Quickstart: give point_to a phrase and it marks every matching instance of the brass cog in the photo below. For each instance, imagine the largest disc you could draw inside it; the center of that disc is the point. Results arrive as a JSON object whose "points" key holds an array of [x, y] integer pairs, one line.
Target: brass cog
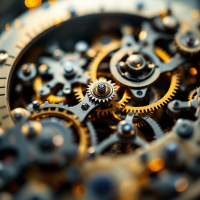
{"points": [[113, 105], [175, 79], [163, 55], [37, 84], [70, 120], [187, 49], [192, 94], [93, 67]]}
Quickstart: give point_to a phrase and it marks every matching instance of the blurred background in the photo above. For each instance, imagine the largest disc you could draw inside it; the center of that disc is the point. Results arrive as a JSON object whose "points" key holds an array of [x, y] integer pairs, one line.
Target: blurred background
{"points": [[10, 9]]}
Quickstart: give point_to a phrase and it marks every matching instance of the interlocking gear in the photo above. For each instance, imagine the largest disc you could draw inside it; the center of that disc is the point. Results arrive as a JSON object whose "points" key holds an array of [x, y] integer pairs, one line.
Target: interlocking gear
{"points": [[86, 133], [102, 90], [112, 106], [193, 94], [187, 42]]}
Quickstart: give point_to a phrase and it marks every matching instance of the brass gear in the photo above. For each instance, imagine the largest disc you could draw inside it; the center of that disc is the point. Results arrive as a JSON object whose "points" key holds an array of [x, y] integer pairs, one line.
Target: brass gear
{"points": [[163, 55], [37, 84], [192, 94], [93, 67], [70, 120], [175, 79], [138, 123], [112, 105], [186, 49]]}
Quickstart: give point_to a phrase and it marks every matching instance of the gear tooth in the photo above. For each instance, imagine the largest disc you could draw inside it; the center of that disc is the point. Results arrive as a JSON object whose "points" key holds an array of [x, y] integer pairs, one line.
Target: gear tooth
{"points": [[46, 103]]}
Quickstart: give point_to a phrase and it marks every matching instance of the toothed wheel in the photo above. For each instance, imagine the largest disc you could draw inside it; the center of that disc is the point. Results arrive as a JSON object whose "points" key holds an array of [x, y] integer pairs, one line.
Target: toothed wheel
{"points": [[86, 134], [102, 90], [193, 94], [187, 42]]}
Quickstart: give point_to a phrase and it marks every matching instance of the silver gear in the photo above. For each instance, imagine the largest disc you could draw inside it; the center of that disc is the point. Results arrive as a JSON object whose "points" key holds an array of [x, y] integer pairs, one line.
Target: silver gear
{"points": [[102, 90]]}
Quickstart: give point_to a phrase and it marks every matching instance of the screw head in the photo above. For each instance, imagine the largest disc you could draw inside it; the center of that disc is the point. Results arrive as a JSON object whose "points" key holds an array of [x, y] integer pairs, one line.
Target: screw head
{"points": [[176, 104], [135, 61], [126, 129], [26, 70], [171, 149], [101, 87], [185, 129], [35, 104], [68, 67], [3, 56], [85, 106], [17, 115]]}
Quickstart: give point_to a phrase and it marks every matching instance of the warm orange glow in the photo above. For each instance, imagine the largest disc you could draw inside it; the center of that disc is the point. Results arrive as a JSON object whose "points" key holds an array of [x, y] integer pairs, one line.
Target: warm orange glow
{"points": [[184, 26], [32, 3], [195, 13], [78, 190], [52, 1], [91, 53], [58, 140], [7, 26], [143, 35], [157, 164], [57, 52], [58, 21], [17, 23], [43, 67], [193, 71], [127, 30], [181, 185]]}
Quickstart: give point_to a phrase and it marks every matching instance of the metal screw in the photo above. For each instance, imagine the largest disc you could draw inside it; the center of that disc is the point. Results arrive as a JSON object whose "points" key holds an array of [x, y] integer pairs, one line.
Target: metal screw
{"points": [[3, 56], [126, 129], [17, 115], [172, 148], [68, 67], [175, 104], [101, 87], [139, 93], [36, 104], [185, 129], [85, 106]]}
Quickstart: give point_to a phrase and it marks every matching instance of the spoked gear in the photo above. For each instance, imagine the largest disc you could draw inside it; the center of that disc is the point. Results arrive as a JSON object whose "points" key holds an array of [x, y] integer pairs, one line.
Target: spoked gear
{"points": [[86, 133], [101, 90], [127, 134], [193, 94], [187, 42], [65, 69]]}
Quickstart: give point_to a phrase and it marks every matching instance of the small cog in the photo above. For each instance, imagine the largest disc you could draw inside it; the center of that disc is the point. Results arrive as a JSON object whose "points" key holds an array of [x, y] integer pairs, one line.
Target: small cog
{"points": [[102, 90], [193, 94], [187, 42]]}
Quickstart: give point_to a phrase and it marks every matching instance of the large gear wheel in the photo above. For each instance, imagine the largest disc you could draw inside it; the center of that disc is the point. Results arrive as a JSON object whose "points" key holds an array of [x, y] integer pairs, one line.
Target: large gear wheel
{"points": [[175, 79], [85, 133], [187, 42]]}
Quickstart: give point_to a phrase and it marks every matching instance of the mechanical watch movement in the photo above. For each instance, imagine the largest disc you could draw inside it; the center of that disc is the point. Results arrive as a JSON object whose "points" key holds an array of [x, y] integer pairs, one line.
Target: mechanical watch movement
{"points": [[100, 100]]}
